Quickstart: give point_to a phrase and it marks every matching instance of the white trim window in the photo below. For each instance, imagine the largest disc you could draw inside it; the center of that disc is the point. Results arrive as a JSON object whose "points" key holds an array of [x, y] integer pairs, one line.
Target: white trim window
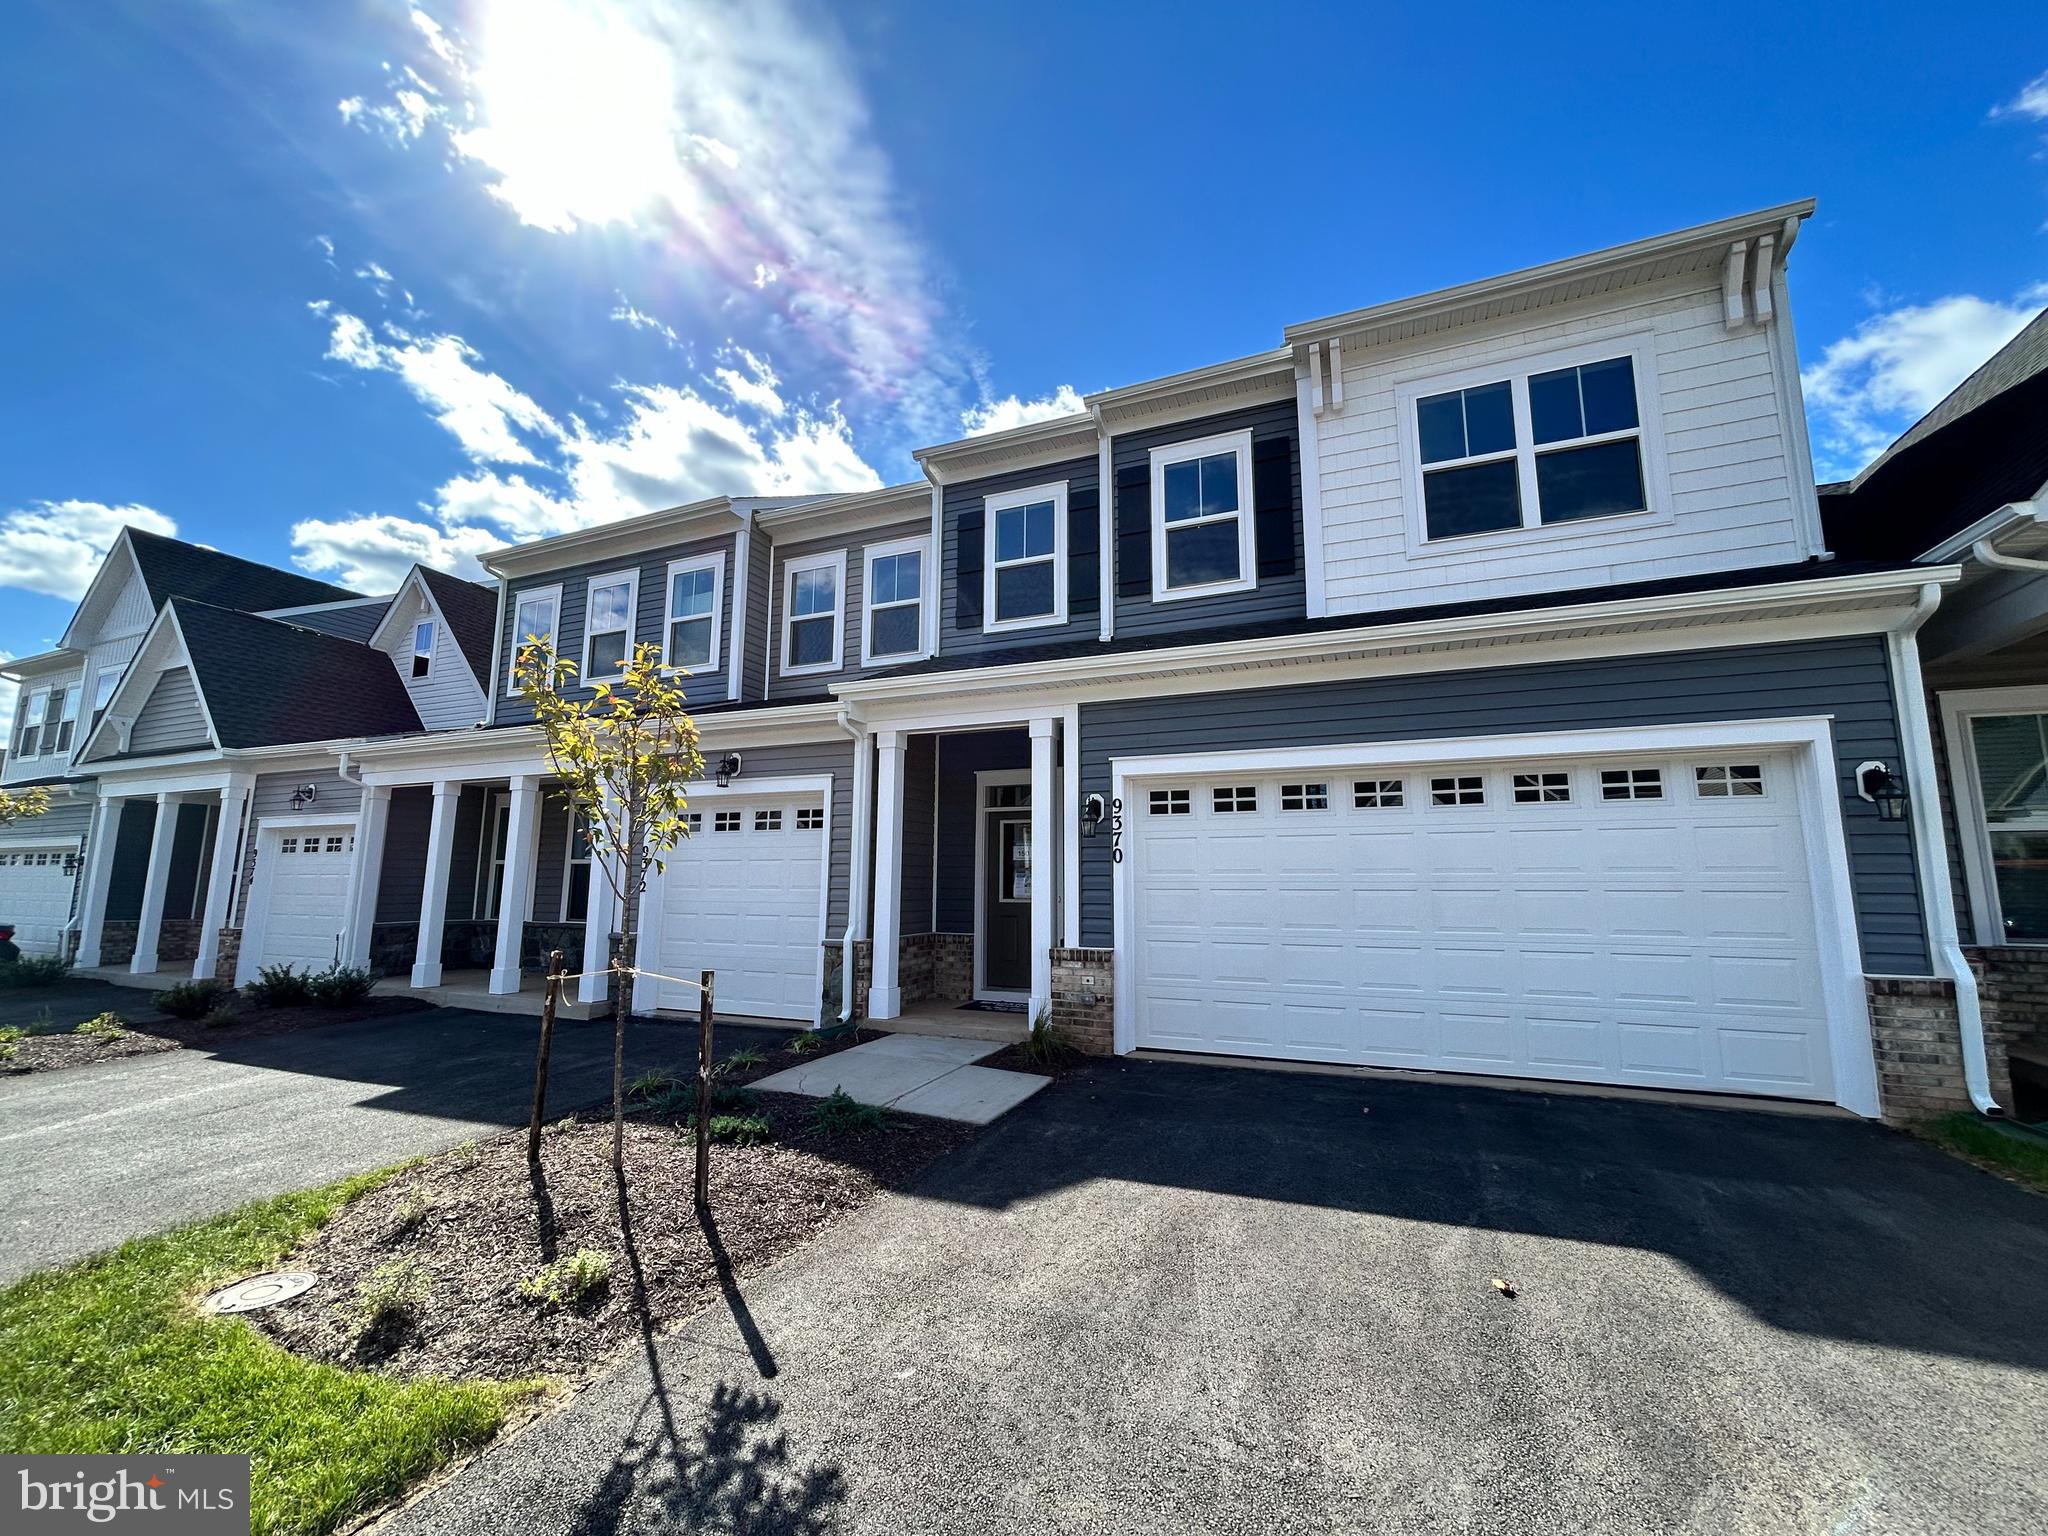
{"points": [[893, 581], [690, 640], [104, 682], [535, 616], [813, 613], [1557, 441], [35, 709], [1998, 761], [423, 650], [1202, 537], [609, 608], [1024, 558], [576, 868]]}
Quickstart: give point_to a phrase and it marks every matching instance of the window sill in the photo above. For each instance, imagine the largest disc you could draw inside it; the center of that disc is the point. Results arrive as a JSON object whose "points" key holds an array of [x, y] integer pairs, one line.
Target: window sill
{"points": [[1209, 589], [876, 663], [823, 666], [1011, 626]]}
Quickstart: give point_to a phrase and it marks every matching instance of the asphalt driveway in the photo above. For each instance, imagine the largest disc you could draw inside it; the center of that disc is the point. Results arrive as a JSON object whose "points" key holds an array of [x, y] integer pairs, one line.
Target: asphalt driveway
{"points": [[1161, 1298], [96, 1155]]}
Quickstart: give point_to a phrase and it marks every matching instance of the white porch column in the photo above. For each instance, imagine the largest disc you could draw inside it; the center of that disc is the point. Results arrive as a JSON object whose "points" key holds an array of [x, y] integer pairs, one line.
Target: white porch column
{"points": [[366, 873], [426, 960], [522, 852], [221, 878], [149, 930], [1044, 795], [99, 879], [885, 997]]}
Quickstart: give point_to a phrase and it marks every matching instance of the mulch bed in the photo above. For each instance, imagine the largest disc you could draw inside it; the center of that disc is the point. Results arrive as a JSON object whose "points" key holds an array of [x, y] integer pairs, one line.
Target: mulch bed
{"points": [[148, 1033], [1015, 1058], [473, 1225]]}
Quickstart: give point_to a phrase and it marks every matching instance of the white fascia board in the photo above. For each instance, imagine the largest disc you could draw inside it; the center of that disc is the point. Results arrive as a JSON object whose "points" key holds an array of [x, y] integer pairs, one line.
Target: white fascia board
{"points": [[676, 525], [382, 635], [153, 653], [834, 515], [36, 665], [1029, 442], [1670, 612], [122, 553], [1715, 236], [1957, 545]]}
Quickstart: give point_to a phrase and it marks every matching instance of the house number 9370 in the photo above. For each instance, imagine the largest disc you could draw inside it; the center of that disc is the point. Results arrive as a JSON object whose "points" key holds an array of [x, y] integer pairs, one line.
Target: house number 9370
{"points": [[1116, 830]]}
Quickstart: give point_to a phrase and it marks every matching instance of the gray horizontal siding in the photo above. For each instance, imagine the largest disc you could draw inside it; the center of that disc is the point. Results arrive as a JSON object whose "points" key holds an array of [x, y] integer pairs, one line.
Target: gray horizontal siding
{"points": [[754, 645], [919, 791], [853, 610], [171, 718], [965, 500], [403, 878], [356, 622], [649, 620], [551, 856], [66, 818], [332, 794], [1848, 679], [1275, 597]]}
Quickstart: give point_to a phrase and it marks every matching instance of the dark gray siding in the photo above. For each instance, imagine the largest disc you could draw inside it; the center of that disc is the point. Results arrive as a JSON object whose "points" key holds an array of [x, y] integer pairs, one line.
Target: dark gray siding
{"points": [[466, 874], [404, 877], [964, 513], [1848, 679], [1281, 591], [550, 856], [332, 794], [185, 889], [131, 860], [754, 648], [853, 612], [919, 800], [171, 718], [356, 622], [961, 756], [650, 618]]}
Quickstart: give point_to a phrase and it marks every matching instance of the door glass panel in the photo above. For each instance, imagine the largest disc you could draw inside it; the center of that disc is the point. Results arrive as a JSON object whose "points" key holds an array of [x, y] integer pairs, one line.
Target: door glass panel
{"points": [[1016, 844], [2012, 778]]}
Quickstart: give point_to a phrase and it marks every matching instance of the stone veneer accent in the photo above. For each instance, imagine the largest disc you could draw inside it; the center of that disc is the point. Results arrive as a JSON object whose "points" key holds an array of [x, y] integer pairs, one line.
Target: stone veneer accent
{"points": [[1918, 1039], [1083, 1011], [117, 941], [230, 953], [863, 977], [178, 940]]}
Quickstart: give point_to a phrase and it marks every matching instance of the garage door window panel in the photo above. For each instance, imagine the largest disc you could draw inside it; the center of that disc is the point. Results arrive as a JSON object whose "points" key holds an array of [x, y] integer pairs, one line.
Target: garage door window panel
{"points": [[1631, 784], [1543, 788], [1458, 789], [1376, 794]]}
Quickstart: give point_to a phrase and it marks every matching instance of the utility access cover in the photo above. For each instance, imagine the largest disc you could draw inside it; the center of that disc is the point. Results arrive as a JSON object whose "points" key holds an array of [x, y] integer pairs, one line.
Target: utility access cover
{"points": [[260, 1291]]}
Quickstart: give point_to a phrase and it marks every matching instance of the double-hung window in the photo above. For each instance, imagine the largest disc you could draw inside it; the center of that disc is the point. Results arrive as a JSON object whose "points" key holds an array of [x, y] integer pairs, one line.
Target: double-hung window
{"points": [[812, 610], [894, 584], [695, 595], [1202, 518], [63, 719], [423, 648], [1532, 449], [576, 877], [1024, 565], [34, 710], [534, 615], [608, 625], [103, 686]]}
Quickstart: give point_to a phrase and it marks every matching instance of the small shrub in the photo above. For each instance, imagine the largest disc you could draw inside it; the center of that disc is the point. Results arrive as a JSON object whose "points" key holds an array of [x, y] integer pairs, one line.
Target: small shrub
{"points": [[279, 986], [34, 971], [565, 1125], [44, 1023], [9, 1041], [103, 1026], [1047, 1046], [805, 1043], [739, 1061], [192, 999], [406, 1220], [227, 1013], [843, 1115], [651, 1084], [741, 1130], [739, 1100], [465, 1154], [339, 985], [391, 1298], [569, 1282]]}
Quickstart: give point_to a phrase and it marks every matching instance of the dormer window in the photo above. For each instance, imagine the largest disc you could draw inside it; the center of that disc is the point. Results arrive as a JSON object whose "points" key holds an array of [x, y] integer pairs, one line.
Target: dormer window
{"points": [[1024, 567], [608, 626], [811, 613], [1202, 518], [1532, 450], [423, 649]]}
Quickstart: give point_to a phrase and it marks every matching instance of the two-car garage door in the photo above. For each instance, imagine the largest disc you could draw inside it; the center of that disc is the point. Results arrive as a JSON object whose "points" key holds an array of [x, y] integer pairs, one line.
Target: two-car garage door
{"points": [[1644, 921]]}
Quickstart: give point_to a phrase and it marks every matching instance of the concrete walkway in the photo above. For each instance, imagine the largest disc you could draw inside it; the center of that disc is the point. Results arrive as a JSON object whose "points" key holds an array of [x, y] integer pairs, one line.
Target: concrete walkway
{"points": [[919, 1074]]}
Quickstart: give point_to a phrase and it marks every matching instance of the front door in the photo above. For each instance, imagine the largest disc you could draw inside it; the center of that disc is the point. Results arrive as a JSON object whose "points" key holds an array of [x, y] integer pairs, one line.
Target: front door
{"points": [[1005, 937]]}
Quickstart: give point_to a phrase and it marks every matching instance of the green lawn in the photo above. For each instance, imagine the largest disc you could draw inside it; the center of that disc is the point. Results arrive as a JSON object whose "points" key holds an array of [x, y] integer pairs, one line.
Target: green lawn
{"points": [[111, 1355], [2019, 1155]]}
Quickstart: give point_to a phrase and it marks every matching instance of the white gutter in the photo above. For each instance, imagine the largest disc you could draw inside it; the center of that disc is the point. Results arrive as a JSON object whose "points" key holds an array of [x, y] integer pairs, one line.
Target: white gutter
{"points": [[1984, 554], [1980, 532], [1937, 894]]}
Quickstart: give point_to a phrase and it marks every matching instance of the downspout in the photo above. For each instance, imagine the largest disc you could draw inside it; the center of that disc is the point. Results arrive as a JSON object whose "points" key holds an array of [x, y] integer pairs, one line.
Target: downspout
{"points": [[860, 840], [1984, 554], [1943, 940]]}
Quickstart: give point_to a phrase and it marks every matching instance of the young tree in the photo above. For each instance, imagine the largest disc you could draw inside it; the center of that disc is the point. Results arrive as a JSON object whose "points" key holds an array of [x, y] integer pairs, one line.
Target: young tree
{"points": [[627, 755], [20, 804]]}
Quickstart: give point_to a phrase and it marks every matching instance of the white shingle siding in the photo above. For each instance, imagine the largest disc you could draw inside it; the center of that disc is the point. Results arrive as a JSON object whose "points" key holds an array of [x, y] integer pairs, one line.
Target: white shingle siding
{"points": [[1729, 462]]}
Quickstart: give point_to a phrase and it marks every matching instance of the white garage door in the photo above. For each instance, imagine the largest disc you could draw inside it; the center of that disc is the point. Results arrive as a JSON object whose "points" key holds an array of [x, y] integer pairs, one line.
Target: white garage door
{"points": [[307, 896], [35, 896], [741, 897], [1640, 921]]}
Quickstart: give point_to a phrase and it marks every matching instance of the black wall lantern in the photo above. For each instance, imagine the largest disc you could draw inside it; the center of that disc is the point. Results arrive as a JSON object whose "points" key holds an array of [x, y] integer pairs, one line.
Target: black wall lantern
{"points": [[304, 796], [1092, 812], [728, 769], [1883, 789]]}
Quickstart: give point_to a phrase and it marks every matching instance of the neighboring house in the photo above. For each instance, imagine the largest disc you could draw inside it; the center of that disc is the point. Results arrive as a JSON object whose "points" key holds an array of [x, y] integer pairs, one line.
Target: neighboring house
{"points": [[1967, 486], [1465, 685]]}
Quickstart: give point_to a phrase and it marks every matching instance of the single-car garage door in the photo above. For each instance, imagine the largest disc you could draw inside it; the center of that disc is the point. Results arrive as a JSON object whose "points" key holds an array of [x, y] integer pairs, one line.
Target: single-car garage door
{"points": [[305, 896], [35, 896], [1643, 921], [742, 897]]}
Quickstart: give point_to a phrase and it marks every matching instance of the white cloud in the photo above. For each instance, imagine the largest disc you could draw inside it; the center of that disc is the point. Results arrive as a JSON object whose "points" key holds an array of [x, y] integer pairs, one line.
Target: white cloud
{"points": [[1001, 415], [54, 547], [626, 314], [2032, 101], [1896, 366], [483, 412], [752, 383], [372, 554]]}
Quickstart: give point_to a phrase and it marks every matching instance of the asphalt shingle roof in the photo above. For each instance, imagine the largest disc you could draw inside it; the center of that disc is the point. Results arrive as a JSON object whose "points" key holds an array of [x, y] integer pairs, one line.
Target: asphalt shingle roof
{"points": [[172, 568], [472, 613], [268, 682]]}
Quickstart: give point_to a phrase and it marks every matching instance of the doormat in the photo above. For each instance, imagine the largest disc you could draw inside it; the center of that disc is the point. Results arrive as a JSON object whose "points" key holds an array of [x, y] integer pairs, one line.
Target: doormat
{"points": [[980, 1007]]}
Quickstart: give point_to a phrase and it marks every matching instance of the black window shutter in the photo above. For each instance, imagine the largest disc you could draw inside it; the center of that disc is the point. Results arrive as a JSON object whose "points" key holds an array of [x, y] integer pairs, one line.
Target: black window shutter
{"points": [[1084, 548], [967, 570], [1134, 531], [1273, 504]]}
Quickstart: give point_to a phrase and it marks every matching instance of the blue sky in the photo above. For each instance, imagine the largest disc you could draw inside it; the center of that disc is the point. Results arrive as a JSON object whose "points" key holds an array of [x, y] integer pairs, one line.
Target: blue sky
{"points": [[427, 279]]}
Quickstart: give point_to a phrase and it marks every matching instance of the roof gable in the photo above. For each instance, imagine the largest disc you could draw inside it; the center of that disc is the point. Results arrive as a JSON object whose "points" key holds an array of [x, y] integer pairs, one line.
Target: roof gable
{"points": [[469, 612], [172, 568], [267, 683]]}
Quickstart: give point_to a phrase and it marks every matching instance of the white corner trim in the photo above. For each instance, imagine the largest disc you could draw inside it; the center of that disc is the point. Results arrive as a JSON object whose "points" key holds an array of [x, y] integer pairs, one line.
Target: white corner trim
{"points": [[1162, 458], [742, 555], [1105, 517], [835, 561], [1054, 491], [1308, 448]]}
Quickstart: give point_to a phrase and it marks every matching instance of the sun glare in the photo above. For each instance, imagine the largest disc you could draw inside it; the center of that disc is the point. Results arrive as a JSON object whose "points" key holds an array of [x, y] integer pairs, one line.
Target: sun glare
{"points": [[576, 112]]}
